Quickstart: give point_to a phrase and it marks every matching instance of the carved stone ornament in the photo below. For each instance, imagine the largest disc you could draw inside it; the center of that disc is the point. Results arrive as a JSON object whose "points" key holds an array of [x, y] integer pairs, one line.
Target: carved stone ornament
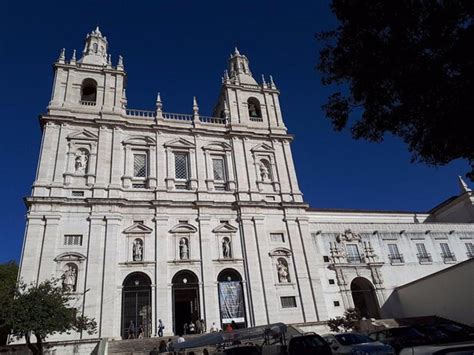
{"points": [[348, 236]]}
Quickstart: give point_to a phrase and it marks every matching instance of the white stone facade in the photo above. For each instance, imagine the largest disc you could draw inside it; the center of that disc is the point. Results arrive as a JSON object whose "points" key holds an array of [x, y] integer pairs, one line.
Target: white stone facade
{"points": [[121, 191]]}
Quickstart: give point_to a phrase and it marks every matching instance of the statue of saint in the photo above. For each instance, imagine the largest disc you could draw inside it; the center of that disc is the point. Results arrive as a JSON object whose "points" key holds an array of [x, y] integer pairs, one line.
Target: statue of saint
{"points": [[226, 248], [69, 278], [137, 250], [282, 272], [81, 162], [263, 171], [183, 249]]}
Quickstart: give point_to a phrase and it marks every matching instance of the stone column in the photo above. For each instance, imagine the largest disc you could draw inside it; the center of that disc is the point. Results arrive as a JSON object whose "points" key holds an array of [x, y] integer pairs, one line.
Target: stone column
{"points": [[60, 165], [103, 161], [94, 270], [253, 275], [30, 258], [162, 302], [117, 163], [110, 305], [152, 172], [127, 177], [48, 153], [230, 171], [193, 182], [47, 266], [301, 270]]}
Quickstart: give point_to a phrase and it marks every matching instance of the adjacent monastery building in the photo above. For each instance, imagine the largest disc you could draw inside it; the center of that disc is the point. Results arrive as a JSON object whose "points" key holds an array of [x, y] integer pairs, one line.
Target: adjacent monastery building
{"points": [[149, 215]]}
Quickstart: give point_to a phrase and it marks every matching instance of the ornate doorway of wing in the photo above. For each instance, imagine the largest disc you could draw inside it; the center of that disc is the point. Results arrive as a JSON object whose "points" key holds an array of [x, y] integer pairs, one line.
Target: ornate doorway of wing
{"points": [[185, 296], [231, 298], [136, 306], [365, 300]]}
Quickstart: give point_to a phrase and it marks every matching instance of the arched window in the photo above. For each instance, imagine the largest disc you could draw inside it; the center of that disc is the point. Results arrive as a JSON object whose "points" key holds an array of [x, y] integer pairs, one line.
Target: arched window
{"points": [[137, 250], [282, 269], [226, 248], [255, 112], [95, 47], [89, 92], [265, 170], [184, 248], [69, 277]]}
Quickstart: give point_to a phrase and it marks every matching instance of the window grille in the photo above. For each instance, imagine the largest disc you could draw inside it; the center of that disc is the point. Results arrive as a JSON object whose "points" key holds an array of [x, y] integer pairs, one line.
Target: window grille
{"points": [[394, 255], [353, 255], [138, 186], [181, 166], [139, 165], [423, 256], [326, 258], [446, 253], [73, 239], [331, 281], [78, 193], [288, 302], [470, 250], [277, 237], [218, 169]]}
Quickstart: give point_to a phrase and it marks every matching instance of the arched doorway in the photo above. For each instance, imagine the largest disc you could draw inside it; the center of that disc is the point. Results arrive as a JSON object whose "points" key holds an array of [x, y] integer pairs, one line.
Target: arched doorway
{"points": [[231, 298], [365, 300], [136, 304], [185, 293]]}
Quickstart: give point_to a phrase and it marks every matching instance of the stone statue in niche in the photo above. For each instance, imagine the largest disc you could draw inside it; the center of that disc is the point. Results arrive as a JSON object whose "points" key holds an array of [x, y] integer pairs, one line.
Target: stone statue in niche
{"points": [[81, 162], [282, 272], [263, 171], [183, 249], [137, 250], [226, 248], [69, 278]]}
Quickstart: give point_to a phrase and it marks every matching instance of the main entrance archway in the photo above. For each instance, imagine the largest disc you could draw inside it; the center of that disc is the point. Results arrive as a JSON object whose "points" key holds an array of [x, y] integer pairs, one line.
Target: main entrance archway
{"points": [[136, 305], [365, 300], [185, 299], [231, 298]]}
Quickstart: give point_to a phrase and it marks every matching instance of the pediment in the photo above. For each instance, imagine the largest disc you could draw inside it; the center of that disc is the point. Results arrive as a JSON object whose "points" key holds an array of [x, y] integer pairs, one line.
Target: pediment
{"points": [[179, 143], [83, 135], [225, 228], [138, 228], [183, 228], [263, 147], [217, 146], [70, 256], [280, 252], [140, 140]]}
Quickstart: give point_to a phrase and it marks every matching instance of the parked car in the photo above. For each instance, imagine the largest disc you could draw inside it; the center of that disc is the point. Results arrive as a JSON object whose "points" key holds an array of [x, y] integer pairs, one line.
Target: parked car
{"points": [[400, 338], [354, 343], [441, 349], [308, 344]]}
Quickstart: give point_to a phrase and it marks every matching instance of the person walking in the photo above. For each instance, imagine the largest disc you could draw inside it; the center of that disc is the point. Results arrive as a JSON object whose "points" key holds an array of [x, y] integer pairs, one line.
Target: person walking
{"points": [[131, 330], [191, 328], [160, 328], [203, 325], [198, 327]]}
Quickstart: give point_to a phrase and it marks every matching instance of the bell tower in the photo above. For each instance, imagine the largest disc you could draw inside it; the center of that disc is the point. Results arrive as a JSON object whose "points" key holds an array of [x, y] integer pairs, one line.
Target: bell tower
{"points": [[90, 87], [248, 105]]}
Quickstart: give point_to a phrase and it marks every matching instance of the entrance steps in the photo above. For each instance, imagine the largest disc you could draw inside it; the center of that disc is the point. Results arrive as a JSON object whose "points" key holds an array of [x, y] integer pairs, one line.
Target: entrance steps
{"points": [[141, 346]]}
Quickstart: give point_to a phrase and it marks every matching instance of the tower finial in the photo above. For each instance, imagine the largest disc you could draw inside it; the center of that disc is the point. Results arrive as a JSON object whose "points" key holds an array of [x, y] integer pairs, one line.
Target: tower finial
{"points": [[272, 83], [264, 83], [463, 185], [73, 58], [120, 63], [159, 104], [62, 55], [236, 51]]}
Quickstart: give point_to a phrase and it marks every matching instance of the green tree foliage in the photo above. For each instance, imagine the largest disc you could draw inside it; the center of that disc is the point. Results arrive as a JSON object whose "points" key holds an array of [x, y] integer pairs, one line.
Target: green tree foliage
{"points": [[403, 67], [347, 323], [8, 277], [41, 310]]}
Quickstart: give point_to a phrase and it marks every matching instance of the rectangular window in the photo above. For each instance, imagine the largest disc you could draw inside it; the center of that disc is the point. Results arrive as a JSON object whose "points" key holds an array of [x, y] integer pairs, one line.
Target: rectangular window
{"points": [[336, 304], [73, 239], [326, 258], [218, 169], [470, 250], [353, 255], [446, 253], [78, 193], [288, 302], [140, 165], [423, 256], [331, 281], [181, 168], [277, 237], [394, 255]]}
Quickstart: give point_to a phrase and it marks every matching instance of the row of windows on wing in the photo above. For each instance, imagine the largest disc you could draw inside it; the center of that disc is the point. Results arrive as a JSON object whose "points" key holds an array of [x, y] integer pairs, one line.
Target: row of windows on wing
{"points": [[353, 254], [89, 98]]}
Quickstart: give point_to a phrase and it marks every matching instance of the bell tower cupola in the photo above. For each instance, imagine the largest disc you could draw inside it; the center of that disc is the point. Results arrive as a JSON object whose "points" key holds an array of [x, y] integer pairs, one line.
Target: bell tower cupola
{"points": [[239, 69], [95, 49]]}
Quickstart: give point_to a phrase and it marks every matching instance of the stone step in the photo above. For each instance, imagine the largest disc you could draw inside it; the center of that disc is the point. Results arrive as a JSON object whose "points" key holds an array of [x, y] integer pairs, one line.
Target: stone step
{"points": [[139, 346]]}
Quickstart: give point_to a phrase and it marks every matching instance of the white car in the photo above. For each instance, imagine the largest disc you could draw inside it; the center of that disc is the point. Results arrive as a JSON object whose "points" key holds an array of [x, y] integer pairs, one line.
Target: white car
{"points": [[356, 344]]}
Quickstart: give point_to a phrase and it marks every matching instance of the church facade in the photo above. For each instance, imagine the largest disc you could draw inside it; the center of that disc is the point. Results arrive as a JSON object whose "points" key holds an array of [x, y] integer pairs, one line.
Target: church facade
{"points": [[149, 215]]}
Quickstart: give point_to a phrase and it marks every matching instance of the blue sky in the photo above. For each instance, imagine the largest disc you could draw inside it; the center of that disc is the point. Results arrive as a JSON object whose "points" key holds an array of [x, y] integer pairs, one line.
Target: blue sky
{"points": [[180, 48]]}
